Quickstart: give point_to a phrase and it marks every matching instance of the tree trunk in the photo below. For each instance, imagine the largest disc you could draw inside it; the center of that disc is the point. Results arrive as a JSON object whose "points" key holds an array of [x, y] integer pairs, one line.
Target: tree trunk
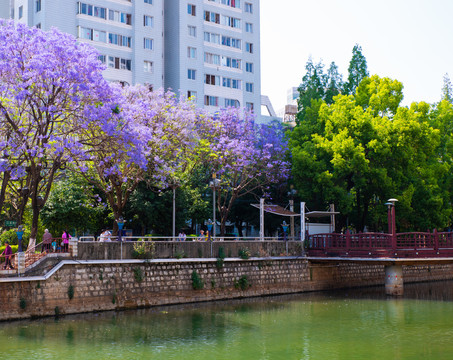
{"points": [[34, 223]]}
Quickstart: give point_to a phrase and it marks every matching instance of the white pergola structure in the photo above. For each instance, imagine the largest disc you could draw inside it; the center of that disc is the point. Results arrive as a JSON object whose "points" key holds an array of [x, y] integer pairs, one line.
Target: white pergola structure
{"points": [[278, 210]]}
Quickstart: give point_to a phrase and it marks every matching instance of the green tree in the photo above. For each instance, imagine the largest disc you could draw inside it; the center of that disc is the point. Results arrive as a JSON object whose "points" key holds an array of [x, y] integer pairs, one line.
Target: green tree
{"points": [[363, 149], [74, 204], [334, 83], [357, 70], [312, 87], [447, 91]]}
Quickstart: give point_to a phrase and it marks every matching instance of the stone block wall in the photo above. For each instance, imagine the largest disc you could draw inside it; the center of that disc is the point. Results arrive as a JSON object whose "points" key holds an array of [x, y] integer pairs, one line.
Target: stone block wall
{"points": [[96, 286]]}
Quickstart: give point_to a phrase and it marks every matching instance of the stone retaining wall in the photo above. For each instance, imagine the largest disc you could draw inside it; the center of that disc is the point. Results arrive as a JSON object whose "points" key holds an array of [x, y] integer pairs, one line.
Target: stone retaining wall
{"points": [[96, 286]]}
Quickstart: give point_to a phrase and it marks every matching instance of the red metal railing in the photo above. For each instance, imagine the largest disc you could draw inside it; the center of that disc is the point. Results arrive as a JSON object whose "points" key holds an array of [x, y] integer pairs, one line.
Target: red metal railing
{"points": [[414, 245]]}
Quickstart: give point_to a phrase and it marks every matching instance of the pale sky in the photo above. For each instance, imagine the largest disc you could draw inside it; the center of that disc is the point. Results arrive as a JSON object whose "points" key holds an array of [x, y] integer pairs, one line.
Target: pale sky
{"points": [[407, 40]]}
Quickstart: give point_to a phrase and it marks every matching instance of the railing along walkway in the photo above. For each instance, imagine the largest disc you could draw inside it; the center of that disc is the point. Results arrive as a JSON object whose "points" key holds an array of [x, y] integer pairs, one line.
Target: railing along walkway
{"points": [[32, 255], [401, 245]]}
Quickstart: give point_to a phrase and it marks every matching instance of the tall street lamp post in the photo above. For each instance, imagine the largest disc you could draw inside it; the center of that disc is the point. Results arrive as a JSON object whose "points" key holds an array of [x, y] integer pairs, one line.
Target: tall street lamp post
{"points": [[393, 221], [173, 187], [214, 184], [291, 194], [389, 217]]}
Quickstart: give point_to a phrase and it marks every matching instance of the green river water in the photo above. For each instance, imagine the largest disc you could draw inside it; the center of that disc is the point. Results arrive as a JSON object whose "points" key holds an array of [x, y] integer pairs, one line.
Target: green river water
{"points": [[354, 324]]}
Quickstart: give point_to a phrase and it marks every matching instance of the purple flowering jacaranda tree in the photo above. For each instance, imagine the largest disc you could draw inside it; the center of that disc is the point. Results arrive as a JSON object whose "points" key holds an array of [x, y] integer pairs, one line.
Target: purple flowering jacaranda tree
{"points": [[246, 157], [157, 129], [51, 87]]}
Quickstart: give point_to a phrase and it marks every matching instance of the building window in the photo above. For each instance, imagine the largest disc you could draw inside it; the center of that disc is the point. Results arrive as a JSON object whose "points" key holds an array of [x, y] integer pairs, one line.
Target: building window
{"points": [[38, 5], [91, 10], [212, 17], [38, 26], [191, 52], [102, 58], [125, 64], [232, 42], [192, 30], [232, 103], [121, 17], [212, 38], [211, 100], [148, 21], [231, 22], [249, 106], [249, 27], [249, 67], [191, 74], [191, 94], [21, 12], [149, 2], [212, 58], [212, 79], [248, 8], [249, 48], [120, 40], [148, 44], [231, 83], [232, 3], [148, 66], [249, 87], [191, 9], [93, 35], [231, 62], [118, 63]]}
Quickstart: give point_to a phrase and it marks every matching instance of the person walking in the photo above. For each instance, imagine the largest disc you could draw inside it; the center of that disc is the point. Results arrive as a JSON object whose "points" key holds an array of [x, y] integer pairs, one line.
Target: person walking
{"points": [[65, 241], [7, 253], [46, 241]]}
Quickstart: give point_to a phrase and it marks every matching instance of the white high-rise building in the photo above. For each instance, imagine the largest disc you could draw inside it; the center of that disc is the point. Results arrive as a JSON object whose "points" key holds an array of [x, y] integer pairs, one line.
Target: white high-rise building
{"points": [[208, 49], [212, 51]]}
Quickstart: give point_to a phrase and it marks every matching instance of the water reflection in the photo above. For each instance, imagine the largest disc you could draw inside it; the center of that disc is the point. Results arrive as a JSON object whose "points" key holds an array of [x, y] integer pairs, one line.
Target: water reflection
{"points": [[352, 324]]}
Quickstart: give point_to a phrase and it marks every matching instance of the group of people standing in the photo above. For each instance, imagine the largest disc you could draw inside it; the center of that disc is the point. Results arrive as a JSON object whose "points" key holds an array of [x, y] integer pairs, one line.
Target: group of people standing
{"points": [[51, 244], [204, 236]]}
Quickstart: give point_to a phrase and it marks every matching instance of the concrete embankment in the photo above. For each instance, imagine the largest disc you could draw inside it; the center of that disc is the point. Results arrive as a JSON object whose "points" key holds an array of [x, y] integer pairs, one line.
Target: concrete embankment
{"points": [[76, 286]]}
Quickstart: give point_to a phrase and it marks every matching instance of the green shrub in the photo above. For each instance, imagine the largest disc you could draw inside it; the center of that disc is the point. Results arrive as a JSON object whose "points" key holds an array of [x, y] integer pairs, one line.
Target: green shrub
{"points": [[22, 303], [242, 283], [70, 292], [220, 258], [244, 253], [138, 274], [180, 255], [197, 282], [143, 250], [191, 237], [11, 236]]}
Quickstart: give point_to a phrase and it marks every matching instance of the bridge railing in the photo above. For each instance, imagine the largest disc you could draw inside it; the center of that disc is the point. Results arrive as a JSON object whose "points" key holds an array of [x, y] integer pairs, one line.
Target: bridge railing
{"points": [[414, 244]]}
